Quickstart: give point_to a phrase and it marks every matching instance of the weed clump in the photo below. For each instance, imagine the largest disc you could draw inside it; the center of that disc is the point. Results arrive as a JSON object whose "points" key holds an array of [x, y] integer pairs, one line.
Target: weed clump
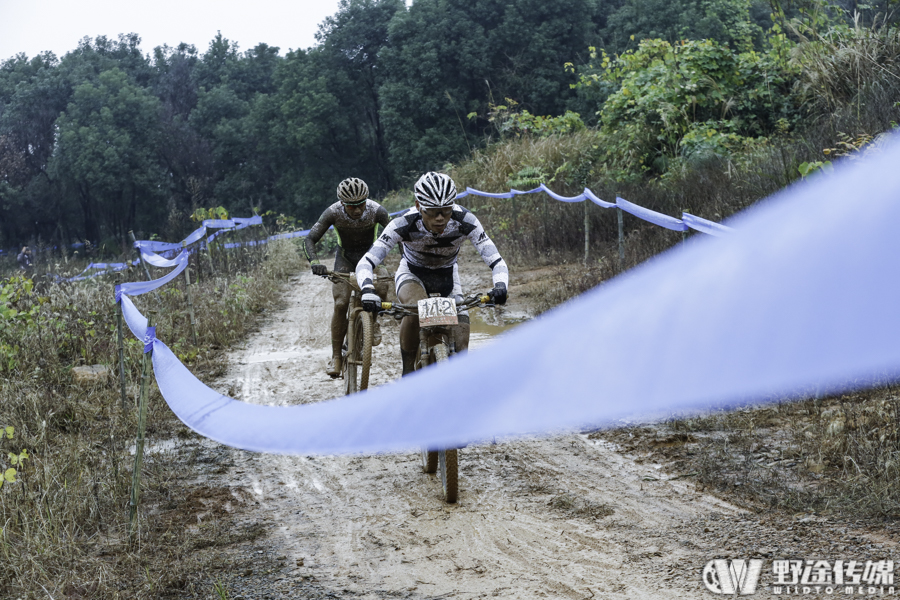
{"points": [[64, 514]]}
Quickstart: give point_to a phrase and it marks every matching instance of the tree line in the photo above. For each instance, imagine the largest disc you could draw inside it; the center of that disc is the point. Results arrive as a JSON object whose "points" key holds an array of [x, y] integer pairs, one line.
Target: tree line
{"points": [[107, 138]]}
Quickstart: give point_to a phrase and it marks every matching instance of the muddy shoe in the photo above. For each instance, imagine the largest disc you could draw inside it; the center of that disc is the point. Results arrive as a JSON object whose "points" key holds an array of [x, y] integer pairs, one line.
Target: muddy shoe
{"points": [[334, 368], [376, 333]]}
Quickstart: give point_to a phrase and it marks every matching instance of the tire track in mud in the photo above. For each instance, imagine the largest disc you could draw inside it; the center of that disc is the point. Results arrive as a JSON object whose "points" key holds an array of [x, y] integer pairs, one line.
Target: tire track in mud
{"points": [[559, 517]]}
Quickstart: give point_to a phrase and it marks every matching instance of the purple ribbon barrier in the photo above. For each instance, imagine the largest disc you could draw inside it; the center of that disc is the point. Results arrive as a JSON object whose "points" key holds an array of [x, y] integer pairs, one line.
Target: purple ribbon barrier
{"points": [[775, 310], [646, 214], [136, 288]]}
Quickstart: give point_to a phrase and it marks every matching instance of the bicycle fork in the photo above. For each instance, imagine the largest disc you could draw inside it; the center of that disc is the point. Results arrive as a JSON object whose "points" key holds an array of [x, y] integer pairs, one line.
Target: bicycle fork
{"points": [[442, 337]]}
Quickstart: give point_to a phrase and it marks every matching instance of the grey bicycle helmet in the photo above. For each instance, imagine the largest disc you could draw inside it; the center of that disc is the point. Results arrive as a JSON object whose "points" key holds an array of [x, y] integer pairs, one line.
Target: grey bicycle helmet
{"points": [[435, 190], [352, 190]]}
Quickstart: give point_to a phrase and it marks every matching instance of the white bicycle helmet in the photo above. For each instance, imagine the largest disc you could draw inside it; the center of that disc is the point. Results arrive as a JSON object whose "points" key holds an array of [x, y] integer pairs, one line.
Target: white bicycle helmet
{"points": [[352, 191], [435, 190]]}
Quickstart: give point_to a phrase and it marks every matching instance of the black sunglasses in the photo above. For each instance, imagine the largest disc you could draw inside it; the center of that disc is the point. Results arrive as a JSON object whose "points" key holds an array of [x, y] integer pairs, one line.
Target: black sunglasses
{"points": [[433, 211]]}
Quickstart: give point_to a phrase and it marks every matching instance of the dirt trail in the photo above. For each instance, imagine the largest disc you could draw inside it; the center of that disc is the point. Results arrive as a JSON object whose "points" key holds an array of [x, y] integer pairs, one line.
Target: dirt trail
{"points": [[563, 517]]}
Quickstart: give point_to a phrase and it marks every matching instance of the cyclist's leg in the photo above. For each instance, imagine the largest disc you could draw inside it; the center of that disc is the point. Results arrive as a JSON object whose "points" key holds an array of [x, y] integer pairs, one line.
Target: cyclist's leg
{"points": [[461, 331], [409, 290], [341, 294]]}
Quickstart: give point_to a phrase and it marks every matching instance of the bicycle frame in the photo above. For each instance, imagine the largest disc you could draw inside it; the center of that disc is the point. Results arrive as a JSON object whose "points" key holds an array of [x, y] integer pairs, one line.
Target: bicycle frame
{"points": [[435, 345], [357, 360]]}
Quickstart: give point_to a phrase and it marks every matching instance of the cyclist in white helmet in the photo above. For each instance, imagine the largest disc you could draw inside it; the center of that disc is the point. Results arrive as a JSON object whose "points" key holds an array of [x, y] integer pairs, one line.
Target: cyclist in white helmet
{"points": [[356, 219], [430, 235]]}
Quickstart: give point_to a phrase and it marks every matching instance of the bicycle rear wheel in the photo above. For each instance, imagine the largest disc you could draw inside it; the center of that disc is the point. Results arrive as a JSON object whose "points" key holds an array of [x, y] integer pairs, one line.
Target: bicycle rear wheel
{"points": [[429, 461], [359, 358]]}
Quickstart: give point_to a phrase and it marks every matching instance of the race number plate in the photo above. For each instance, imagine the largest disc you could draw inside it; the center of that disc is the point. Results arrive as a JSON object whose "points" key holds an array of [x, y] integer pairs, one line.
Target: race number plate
{"points": [[437, 311]]}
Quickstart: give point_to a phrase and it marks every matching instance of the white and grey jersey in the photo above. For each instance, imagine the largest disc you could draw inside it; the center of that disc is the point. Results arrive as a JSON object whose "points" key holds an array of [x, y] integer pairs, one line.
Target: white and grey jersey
{"points": [[354, 235], [423, 249]]}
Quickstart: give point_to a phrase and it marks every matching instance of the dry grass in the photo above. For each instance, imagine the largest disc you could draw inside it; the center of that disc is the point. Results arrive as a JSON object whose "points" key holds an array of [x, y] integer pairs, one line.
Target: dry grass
{"points": [[837, 456], [846, 68], [64, 522]]}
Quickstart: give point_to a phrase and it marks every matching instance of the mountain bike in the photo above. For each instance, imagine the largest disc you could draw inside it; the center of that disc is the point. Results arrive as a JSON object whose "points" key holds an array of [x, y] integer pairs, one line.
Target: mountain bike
{"points": [[357, 350], [437, 318]]}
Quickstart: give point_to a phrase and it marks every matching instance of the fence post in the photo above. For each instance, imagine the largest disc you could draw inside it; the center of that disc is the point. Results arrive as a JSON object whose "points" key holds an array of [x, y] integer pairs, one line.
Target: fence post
{"points": [[190, 296], [621, 238], [138, 252], [223, 252], [260, 251], [212, 267], [587, 232], [139, 441], [121, 345]]}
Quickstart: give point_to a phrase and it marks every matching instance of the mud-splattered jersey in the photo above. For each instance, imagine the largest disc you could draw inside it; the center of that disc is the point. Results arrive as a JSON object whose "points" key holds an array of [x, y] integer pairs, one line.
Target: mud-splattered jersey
{"points": [[354, 235], [421, 248]]}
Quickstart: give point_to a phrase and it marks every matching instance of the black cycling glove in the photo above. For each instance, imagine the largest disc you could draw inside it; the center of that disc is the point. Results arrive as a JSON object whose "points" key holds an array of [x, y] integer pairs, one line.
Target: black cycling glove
{"points": [[371, 301], [498, 294], [319, 269]]}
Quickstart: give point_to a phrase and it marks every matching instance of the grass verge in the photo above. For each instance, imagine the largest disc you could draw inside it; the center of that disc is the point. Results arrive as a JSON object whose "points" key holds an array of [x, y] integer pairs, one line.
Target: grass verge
{"points": [[64, 511]]}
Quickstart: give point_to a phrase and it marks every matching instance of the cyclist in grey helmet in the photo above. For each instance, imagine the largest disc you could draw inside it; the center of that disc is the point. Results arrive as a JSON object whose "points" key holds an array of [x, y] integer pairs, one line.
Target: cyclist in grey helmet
{"points": [[357, 220], [430, 235]]}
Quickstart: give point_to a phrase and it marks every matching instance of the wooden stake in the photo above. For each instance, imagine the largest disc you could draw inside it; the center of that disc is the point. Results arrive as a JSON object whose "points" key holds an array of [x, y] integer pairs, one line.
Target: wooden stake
{"points": [[121, 344], [587, 232], [138, 252], [143, 264], [212, 268], [621, 239], [190, 298], [139, 443]]}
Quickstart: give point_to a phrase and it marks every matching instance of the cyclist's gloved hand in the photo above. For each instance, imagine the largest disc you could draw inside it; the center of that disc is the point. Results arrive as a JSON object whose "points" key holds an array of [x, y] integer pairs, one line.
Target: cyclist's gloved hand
{"points": [[498, 294], [371, 301], [319, 269]]}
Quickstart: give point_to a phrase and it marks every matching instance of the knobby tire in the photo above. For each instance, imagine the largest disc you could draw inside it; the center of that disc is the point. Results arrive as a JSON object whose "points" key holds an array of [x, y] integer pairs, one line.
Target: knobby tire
{"points": [[429, 461], [359, 358], [448, 460], [429, 457]]}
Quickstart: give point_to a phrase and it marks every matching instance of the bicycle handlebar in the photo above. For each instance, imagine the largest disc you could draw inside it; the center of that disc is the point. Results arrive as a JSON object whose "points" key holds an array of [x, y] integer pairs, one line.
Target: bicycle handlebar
{"points": [[394, 308], [348, 278]]}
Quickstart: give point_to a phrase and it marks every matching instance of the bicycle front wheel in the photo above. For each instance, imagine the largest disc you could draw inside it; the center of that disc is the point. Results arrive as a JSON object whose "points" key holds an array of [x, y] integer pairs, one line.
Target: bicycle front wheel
{"points": [[359, 358], [448, 460], [429, 457]]}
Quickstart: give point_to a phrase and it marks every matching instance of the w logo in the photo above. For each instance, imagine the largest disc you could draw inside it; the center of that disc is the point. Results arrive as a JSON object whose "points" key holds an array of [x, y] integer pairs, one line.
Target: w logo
{"points": [[732, 576]]}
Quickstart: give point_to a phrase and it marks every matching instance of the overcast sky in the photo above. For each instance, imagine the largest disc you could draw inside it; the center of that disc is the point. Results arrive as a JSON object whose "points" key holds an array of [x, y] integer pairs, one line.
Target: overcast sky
{"points": [[32, 26]]}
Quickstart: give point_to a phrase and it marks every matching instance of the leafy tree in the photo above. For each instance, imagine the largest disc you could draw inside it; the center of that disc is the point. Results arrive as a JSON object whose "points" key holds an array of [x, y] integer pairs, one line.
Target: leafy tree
{"points": [[218, 63], [183, 151], [693, 98], [105, 155], [32, 95], [325, 119], [350, 44], [739, 23], [449, 58]]}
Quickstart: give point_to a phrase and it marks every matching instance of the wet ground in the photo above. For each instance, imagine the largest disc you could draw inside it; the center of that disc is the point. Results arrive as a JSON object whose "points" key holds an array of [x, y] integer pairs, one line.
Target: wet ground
{"points": [[560, 517]]}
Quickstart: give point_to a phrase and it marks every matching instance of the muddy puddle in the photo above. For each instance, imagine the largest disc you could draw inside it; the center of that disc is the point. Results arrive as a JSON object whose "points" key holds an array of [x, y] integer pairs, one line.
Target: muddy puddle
{"points": [[483, 328]]}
